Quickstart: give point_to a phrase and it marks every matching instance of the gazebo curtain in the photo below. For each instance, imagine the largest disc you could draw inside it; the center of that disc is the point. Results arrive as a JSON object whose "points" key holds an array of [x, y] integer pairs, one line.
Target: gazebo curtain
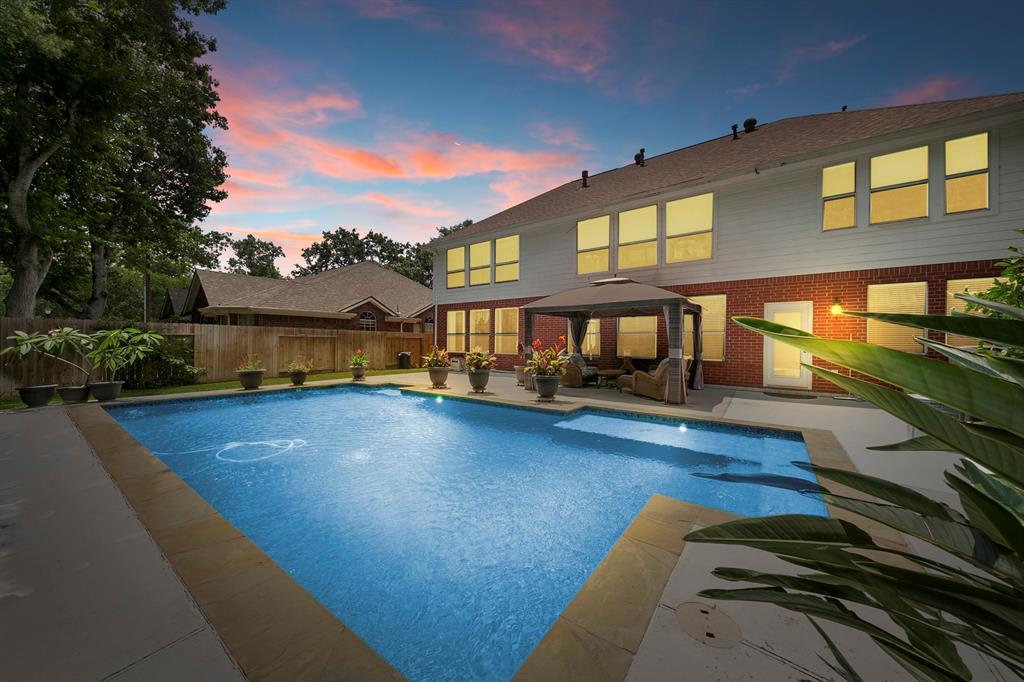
{"points": [[578, 326]]}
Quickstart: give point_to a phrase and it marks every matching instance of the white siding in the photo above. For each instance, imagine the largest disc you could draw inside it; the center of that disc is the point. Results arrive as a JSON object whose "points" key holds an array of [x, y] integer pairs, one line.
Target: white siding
{"points": [[769, 225]]}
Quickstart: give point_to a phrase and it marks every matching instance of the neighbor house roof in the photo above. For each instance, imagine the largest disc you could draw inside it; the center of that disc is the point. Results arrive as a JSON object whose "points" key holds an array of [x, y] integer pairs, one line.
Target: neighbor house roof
{"points": [[773, 142], [174, 302], [333, 291]]}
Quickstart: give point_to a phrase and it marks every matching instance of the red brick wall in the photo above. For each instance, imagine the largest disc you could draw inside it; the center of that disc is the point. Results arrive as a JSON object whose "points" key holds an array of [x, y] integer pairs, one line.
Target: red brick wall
{"points": [[744, 349]]}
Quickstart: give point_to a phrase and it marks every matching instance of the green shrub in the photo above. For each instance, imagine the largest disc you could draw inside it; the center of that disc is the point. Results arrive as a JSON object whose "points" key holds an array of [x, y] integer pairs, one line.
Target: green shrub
{"points": [[169, 365]]}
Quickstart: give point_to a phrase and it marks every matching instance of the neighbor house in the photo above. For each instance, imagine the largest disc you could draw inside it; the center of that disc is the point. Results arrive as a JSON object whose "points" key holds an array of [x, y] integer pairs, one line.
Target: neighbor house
{"points": [[363, 296], [890, 209]]}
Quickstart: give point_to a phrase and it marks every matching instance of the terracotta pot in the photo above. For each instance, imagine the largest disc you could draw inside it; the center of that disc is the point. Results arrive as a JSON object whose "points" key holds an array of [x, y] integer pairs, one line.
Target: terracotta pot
{"points": [[478, 379], [106, 390], [520, 374], [73, 394], [251, 378], [358, 372], [547, 386], [37, 396], [298, 378], [438, 376]]}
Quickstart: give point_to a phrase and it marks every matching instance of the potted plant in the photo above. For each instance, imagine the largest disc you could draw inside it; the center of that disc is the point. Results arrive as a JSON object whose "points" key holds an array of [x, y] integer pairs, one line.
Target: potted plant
{"points": [[250, 371], [298, 369], [358, 365], [520, 368], [546, 366], [56, 344], [437, 364], [478, 367], [115, 349]]}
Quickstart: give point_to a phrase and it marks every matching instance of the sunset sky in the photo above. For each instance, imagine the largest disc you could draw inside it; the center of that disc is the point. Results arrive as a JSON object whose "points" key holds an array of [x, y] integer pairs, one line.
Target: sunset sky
{"points": [[400, 116]]}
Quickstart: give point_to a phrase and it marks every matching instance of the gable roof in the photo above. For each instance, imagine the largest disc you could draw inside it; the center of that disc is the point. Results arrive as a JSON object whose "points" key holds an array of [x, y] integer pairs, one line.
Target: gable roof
{"points": [[331, 291], [771, 142], [174, 302]]}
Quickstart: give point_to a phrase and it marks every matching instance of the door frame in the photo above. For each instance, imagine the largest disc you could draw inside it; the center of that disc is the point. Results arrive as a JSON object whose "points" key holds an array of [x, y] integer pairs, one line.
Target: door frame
{"points": [[806, 310]]}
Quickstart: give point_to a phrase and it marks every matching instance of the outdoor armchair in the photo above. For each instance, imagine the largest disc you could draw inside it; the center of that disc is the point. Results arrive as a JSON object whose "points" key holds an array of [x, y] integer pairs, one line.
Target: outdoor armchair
{"points": [[650, 385], [579, 373]]}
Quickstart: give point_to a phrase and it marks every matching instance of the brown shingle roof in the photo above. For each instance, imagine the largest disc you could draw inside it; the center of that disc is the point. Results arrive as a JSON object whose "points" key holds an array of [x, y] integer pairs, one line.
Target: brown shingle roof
{"points": [[771, 142], [330, 291]]}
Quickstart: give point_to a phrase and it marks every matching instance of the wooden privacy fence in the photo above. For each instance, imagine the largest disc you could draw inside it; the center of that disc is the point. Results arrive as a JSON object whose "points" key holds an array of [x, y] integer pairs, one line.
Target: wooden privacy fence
{"points": [[218, 348]]}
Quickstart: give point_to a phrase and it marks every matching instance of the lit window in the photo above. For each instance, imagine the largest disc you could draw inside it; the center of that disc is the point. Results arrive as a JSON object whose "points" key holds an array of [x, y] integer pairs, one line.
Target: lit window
{"points": [[479, 263], [591, 345], [457, 267], [967, 173], [592, 240], [368, 322], [506, 331], [972, 286], [638, 238], [638, 337], [480, 330], [712, 327], [506, 259], [904, 297], [899, 186], [838, 192], [456, 331], [688, 228]]}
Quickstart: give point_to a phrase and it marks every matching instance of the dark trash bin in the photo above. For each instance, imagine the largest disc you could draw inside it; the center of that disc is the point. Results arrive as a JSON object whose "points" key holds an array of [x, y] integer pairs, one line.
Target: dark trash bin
{"points": [[405, 360]]}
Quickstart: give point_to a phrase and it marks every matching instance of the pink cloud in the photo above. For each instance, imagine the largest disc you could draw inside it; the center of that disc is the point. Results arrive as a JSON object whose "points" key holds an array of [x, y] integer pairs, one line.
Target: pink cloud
{"points": [[931, 90], [813, 53], [410, 207], [561, 136], [411, 12], [515, 188], [746, 90]]}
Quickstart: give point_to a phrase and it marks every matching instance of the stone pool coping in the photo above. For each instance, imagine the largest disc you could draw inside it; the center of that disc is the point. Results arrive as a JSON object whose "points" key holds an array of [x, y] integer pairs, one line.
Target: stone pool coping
{"points": [[276, 630]]}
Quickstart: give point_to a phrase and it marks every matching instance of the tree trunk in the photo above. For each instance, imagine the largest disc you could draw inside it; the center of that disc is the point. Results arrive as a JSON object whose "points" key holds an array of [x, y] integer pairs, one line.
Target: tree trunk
{"points": [[31, 257], [97, 305]]}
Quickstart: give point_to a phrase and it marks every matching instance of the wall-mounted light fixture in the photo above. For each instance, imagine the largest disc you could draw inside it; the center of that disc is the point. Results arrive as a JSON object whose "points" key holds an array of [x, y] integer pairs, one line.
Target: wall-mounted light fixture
{"points": [[836, 308]]}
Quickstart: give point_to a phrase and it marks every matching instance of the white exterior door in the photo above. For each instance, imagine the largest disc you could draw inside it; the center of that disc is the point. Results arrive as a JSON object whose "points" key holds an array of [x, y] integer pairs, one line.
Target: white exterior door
{"points": [[782, 366]]}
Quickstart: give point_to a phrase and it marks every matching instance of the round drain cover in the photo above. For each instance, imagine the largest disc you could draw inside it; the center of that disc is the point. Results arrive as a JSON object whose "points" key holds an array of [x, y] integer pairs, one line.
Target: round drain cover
{"points": [[707, 625]]}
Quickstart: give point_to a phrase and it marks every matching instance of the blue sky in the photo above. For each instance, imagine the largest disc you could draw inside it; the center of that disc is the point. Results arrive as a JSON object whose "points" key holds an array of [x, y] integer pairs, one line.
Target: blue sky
{"points": [[400, 116]]}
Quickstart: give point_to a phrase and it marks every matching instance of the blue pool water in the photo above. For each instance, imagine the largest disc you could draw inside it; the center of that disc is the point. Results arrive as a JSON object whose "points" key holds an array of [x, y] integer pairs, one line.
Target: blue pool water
{"points": [[448, 534]]}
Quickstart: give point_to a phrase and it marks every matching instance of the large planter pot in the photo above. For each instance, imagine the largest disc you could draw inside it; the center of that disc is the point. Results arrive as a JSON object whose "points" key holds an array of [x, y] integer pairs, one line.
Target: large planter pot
{"points": [[73, 394], [36, 396], [438, 376], [547, 386], [520, 374], [478, 379], [106, 390], [358, 372], [250, 378], [298, 378]]}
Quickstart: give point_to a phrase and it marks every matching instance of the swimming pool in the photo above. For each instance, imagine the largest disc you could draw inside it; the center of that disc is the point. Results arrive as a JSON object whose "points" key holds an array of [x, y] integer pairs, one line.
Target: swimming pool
{"points": [[448, 534]]}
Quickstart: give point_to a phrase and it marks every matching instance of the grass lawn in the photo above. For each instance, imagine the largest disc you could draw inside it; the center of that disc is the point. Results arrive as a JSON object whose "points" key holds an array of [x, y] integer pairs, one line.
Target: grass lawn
{"points": [[14, 402]]}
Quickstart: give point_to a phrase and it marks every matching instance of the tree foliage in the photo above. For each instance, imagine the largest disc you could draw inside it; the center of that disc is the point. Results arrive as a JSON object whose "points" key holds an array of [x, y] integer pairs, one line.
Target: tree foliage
{"points": [[254, 256]]}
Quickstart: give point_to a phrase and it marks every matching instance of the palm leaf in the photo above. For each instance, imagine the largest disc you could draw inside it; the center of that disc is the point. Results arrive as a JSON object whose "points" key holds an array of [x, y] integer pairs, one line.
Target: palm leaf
{"points": [[1007, 369], [916, 444], [1005, 309], [993, 330]]}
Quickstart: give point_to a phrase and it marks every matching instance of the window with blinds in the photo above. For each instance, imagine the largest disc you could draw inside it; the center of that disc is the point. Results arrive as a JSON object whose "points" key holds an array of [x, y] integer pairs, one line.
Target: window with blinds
{"points": [[638, 238], [591, 345], [713, 324], [456, 264], [638, 337], [506, 331], [688, 228], [506, 259], [456, 331], [899, 186], [839, 196], [904, 297], [967, 173], [480, 330], [955, 305], [592, 239], [479, 264]]}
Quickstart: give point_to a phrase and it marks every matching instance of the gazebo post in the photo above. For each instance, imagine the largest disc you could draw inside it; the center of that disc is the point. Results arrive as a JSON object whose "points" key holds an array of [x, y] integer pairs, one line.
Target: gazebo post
{"points": [[527, 333], [675, 393]]}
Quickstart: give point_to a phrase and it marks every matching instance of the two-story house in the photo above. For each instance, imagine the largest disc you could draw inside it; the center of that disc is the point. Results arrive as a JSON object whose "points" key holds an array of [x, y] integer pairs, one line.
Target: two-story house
{"points": [[891, 209]]}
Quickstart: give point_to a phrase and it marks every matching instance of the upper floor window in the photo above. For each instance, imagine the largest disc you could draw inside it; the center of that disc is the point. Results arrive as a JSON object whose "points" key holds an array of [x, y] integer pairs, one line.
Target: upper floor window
{"points": [[456, 331], [712, 327], [838, 193], [592, 239], [368, 322], [506, 331], [638, 337], [506, 259], [480, 330], [903, 297], [479, 263], [899, 185], [688, 228], [967, 173], [638, 238], [456, 264]]}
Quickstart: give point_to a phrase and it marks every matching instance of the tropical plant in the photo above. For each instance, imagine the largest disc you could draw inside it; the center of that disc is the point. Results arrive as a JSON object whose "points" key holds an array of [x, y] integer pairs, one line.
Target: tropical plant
{"points": [[550, 361], [57, 344], [477, 360], [437, 357], [971, 592], [358, 359], [114, 349], [300, 364], [169, 365], [250, 362], [1009, 289]]}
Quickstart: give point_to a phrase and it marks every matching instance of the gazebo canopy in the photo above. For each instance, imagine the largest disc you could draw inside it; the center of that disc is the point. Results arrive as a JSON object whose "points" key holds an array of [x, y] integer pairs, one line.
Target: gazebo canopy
{"points": [[622, 297]]}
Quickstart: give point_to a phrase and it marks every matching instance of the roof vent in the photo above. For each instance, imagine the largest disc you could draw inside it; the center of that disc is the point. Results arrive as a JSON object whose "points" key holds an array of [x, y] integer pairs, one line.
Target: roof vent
{"points": [[638, 158], [585, 176], [844, 107], [735, 127], [750, 125]]}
